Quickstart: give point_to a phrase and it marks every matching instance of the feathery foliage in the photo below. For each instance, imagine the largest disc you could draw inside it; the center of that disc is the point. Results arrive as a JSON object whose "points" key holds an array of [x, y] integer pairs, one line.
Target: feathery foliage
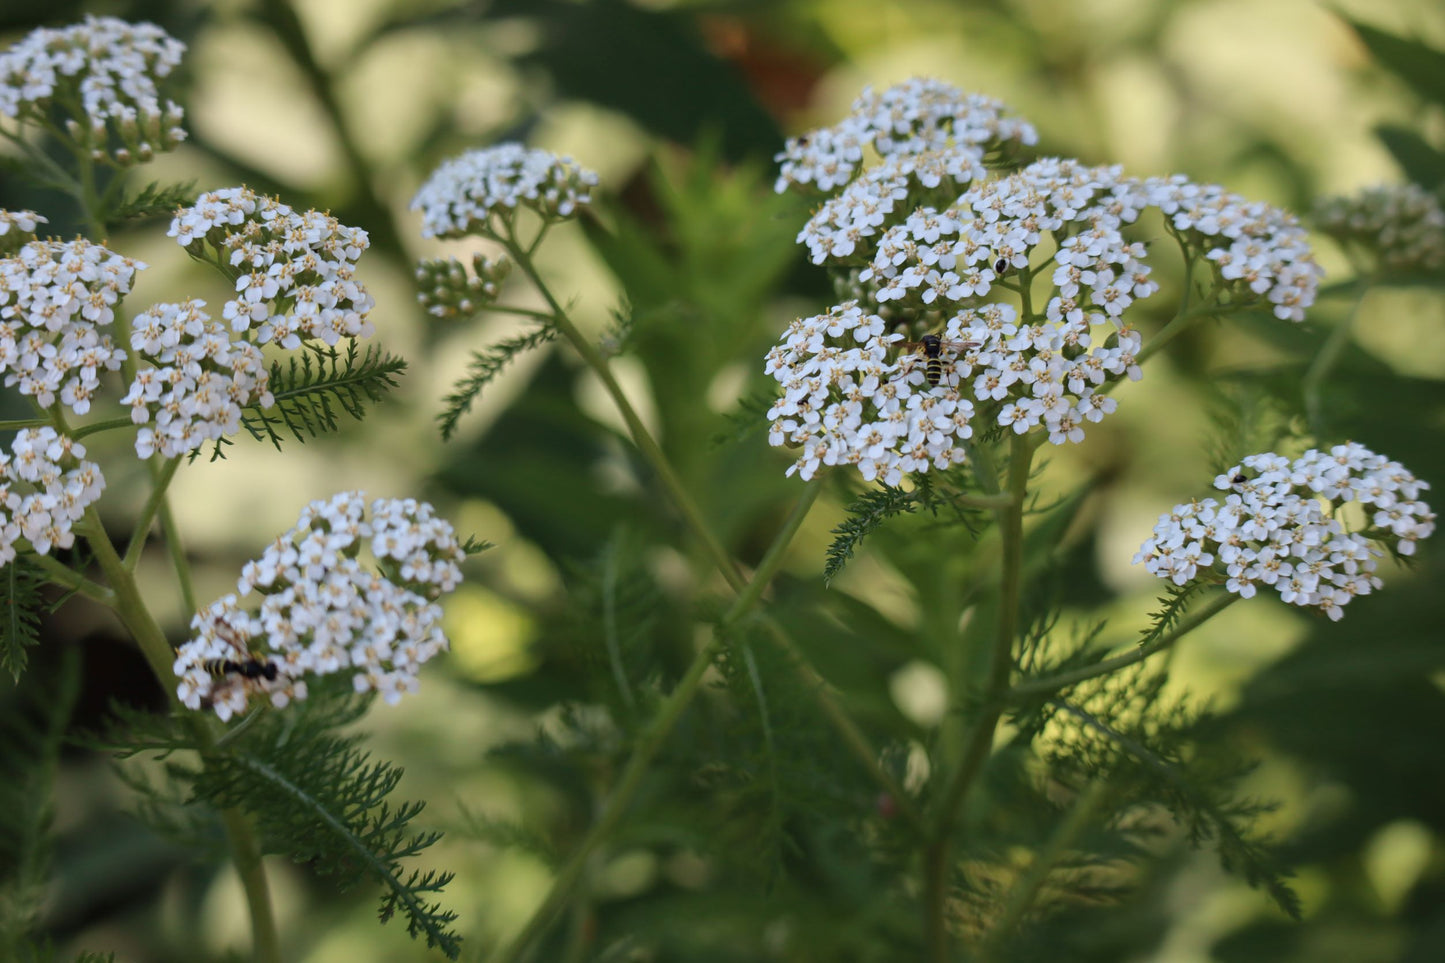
{"points": [[869, 510], [20, 606], [315, 386], [485, 366], [316, 797], [153, 200], [31, 737]]}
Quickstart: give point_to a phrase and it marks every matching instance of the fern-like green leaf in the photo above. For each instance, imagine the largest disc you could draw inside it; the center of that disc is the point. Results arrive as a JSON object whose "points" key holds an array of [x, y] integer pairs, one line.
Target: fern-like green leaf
{"points": [[154, 200], [320, 799], [485, 366], [316, 385], [868, 511], [20, 604], [315, 796]]}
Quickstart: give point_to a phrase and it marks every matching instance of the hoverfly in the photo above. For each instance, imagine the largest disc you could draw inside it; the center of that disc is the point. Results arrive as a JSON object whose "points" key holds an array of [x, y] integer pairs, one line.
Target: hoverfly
{"points": [[247, 666], [933, 347]]}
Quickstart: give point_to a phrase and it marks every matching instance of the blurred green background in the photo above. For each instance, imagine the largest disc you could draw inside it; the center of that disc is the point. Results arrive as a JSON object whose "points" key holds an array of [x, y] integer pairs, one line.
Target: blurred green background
{"points": [[679, 106]]}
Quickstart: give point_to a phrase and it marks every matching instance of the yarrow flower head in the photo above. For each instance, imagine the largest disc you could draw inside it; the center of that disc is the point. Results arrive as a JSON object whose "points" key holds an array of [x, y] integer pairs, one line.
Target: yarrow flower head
{"points": [[295, 271], [109, 67], [55, 299], [45, 487], [446, 290], [914, 117], [197, 383], [1282, 526], [17, 229], [1402, 227], [340, 593], [1257, 250], [464, 193]]}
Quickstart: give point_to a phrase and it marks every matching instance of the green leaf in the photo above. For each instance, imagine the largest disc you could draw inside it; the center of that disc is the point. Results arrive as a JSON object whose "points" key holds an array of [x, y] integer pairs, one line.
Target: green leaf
{"points": [[485, 366], [312, 392], [154, 200], [1419, 161], [20, 604], [318, 798], [865, 514], [1419, 66]]}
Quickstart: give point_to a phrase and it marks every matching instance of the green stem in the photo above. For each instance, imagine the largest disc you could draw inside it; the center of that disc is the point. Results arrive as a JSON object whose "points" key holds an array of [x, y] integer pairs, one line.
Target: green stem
{"points": [[108, 424], [641, 437], [64, 576], [160, 481], [938, 854], [651, 738], [1048, 685], [241, 834], [1324, 362]]}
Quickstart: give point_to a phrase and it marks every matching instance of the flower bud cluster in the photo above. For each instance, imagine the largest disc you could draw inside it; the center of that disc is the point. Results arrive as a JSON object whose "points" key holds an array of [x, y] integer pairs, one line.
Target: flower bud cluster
{"points": [[919, 115], [1281, 525], [198, 383], [464, 193], [1402, 226], [55, 296], [17, 229], [108, 67], [323, 608], [294, 271], [45, 487], [445, 289], [1257, 250]]}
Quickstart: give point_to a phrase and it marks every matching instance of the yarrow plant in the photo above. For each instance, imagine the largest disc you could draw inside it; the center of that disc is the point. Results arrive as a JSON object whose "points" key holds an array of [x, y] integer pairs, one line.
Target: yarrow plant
{"points": [[988, 305], [355, 589]]}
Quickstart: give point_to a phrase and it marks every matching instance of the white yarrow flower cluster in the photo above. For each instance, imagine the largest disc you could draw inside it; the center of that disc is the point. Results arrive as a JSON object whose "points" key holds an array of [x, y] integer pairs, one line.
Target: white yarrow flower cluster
{"points": [[111, 68], [55, 296], [913, 117], [837, 231], [1255, 247], [324, 609], [1402, 226], [45, 487], [464, 193], [1281, 525], [297, 269], [197, 384]]}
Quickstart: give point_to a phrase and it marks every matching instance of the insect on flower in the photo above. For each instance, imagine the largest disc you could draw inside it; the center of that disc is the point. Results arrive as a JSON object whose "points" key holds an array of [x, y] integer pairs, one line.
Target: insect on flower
{"points": [[248, 666], [932, 347]]}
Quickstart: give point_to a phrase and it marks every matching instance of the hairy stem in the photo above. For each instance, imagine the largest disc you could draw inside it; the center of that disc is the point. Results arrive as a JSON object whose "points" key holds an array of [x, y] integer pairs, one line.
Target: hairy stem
{"points": [[651, 738], [938, 854]]}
